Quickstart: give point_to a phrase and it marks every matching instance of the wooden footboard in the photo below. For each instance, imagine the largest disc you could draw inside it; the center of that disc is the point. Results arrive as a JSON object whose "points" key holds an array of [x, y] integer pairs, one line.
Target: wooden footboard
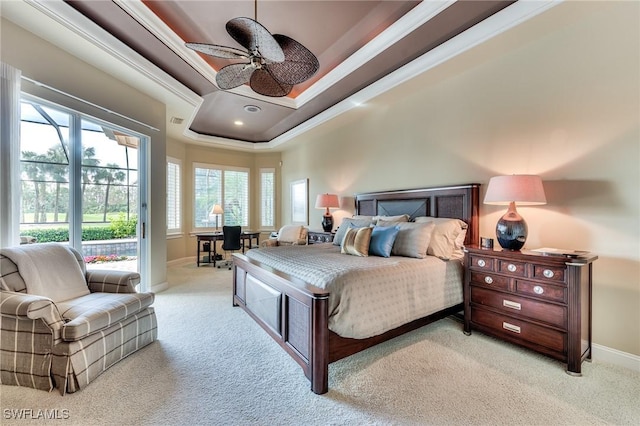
{"points": [[294, 313]]}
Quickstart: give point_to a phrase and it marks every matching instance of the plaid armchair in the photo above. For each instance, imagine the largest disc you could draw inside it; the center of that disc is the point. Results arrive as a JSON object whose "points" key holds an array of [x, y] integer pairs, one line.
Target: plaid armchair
{"points": [[288, 235], [61, 325]]}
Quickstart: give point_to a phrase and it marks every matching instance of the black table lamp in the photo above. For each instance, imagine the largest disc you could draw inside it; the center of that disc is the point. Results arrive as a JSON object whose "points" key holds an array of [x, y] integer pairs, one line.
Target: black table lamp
{"points": [[327, 201]]}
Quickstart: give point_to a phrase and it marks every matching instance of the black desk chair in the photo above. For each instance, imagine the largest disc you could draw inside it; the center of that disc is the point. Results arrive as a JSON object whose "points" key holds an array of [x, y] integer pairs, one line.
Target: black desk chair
{"points": [[231, 242]]}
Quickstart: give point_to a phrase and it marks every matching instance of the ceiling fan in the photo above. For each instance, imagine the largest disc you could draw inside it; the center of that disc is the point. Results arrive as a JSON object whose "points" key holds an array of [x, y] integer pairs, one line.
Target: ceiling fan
{"points": [[272, 64]]}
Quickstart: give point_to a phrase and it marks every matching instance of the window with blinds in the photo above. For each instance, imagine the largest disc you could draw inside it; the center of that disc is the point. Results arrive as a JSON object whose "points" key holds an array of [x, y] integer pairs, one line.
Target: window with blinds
{"points": [[174, 204], [225, 186], [267, 198]]}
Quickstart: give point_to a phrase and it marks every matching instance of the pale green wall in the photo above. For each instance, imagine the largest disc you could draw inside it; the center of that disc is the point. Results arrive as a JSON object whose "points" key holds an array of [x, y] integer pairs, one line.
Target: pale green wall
{"points": [[565, 106], [44, 62]]}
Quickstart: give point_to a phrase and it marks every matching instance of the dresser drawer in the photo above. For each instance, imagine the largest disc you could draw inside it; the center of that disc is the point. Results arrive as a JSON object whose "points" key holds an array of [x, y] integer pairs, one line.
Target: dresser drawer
{"points": [[548, 273], [521, 306], [490, 280], [519, 329], [315, 237], [542, 290], [482, 262], [516, 269]]}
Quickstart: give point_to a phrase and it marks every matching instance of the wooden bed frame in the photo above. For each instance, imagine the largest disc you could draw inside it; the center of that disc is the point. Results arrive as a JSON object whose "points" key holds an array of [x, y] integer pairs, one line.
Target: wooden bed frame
{"points": [[295, 313]]}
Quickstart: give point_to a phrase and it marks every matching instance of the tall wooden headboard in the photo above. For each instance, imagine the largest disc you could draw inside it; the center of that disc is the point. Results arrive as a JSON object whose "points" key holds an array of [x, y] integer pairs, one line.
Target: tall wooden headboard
{"points": [[456, 201]]}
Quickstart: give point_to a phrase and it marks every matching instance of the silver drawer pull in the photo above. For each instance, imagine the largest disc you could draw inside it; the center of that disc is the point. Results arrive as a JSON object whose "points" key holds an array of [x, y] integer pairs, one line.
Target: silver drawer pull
{"points": [[509, 304], [548, 273], [511, 327], [482, 263], [538, 290], [511, 267], [488, 280]]}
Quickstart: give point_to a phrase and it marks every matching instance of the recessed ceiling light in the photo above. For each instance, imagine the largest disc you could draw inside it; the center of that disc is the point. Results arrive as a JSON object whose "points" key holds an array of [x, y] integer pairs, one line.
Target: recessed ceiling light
{"points": [[252, 108], [238, 123]]}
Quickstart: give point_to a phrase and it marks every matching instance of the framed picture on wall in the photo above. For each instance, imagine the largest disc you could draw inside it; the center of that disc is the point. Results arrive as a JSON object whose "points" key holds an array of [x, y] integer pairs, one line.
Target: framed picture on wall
{"points": [[300, 202]]}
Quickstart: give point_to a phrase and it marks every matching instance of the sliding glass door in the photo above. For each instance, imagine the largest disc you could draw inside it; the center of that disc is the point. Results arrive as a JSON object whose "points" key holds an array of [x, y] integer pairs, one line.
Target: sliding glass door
{"points": [[82, 185]]}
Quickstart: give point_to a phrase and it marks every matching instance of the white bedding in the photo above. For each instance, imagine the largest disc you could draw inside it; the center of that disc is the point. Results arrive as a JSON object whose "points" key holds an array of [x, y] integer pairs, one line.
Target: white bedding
{"points": [[370, 295]]}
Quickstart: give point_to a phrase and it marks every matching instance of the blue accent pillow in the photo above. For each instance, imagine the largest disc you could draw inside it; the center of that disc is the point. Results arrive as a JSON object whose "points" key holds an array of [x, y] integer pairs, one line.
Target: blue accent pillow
{"points": [[382, 239]]}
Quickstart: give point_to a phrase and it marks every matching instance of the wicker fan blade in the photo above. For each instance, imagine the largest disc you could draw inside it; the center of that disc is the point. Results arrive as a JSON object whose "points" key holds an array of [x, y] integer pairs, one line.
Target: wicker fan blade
{"points": [[234, 75], [264, 83], [255, 38], [299, 63], [218, 51]]}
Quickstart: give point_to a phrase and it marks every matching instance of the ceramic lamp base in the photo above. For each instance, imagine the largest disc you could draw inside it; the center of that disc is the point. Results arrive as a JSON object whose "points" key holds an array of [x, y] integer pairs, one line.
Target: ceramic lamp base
{"points": [[327, 223], [511, 230]]}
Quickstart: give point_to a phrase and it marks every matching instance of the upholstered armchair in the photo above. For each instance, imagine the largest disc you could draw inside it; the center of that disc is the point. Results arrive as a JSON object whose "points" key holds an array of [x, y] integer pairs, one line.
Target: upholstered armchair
{"points": [[62, 326], [288, 235]]}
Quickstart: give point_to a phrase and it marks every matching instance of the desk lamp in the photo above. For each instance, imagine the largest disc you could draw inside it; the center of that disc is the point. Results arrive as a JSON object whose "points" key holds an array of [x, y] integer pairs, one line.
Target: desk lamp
{"points": [[217, 211]]}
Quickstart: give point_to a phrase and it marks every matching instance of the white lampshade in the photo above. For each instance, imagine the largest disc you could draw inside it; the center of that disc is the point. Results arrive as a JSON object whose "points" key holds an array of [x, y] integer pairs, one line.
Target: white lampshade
{"points": [[526, 190], [216, 209], [327, 201]]}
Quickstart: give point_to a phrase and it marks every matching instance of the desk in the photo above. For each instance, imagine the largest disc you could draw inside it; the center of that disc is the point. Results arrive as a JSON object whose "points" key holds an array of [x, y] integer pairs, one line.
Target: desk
{"points": [[212, 237]]}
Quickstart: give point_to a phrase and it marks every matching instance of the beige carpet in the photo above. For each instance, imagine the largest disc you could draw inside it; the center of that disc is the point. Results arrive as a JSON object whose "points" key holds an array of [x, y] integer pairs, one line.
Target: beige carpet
{"points": [[214, 365]]}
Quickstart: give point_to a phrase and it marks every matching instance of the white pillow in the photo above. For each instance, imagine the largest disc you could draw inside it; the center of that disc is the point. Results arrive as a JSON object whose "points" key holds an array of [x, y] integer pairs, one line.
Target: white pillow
{"points": [[290, 233], [399, 218], [448, 237], [412, 240], [50, 270]]}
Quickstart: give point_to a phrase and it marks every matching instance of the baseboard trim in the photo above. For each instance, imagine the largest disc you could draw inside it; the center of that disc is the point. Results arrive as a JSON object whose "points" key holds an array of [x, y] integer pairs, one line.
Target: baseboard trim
{"points": [[157, 288], [182, 261], [615, 357]]}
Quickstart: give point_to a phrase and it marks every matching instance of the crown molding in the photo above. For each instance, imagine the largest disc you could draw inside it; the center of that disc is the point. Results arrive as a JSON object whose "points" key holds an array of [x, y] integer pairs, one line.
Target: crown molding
{"points": [[413, 19], [496, 24], [416, 17], [141, 13], [71, 19]]}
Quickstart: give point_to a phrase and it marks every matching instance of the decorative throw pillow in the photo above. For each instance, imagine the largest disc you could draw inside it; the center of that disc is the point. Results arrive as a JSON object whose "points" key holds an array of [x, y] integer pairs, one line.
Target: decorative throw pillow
{"points": [[398, 218], [412, 239], [50, 270], [290, 233], [356, 241], [448, 237], [382, 239], [363, 217], [344, 226]]}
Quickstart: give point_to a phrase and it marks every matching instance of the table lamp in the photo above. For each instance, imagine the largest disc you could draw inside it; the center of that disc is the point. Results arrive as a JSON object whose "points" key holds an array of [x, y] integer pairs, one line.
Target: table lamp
{"points": [[526, 190], [327, 201], [216, 210]]}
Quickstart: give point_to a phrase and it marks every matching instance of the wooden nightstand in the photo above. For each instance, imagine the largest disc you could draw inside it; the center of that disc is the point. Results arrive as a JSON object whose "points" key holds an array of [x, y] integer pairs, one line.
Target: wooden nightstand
{"points": [[317, 237], [542, 302]]}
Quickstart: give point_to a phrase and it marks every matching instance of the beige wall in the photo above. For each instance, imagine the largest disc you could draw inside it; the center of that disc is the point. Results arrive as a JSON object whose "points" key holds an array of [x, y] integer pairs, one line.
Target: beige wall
{"points": [[42, 61], [565, 106], [184, 246]]}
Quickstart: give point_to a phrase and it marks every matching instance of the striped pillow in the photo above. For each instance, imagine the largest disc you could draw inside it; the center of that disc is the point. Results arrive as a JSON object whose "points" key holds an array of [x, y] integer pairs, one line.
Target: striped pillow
{"points": [[347, 223], [356, 241], [412, 240]]}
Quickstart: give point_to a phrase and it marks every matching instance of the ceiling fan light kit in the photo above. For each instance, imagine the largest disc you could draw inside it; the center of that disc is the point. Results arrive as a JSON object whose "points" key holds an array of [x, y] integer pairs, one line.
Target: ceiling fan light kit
{"points": [[272, 64]]}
